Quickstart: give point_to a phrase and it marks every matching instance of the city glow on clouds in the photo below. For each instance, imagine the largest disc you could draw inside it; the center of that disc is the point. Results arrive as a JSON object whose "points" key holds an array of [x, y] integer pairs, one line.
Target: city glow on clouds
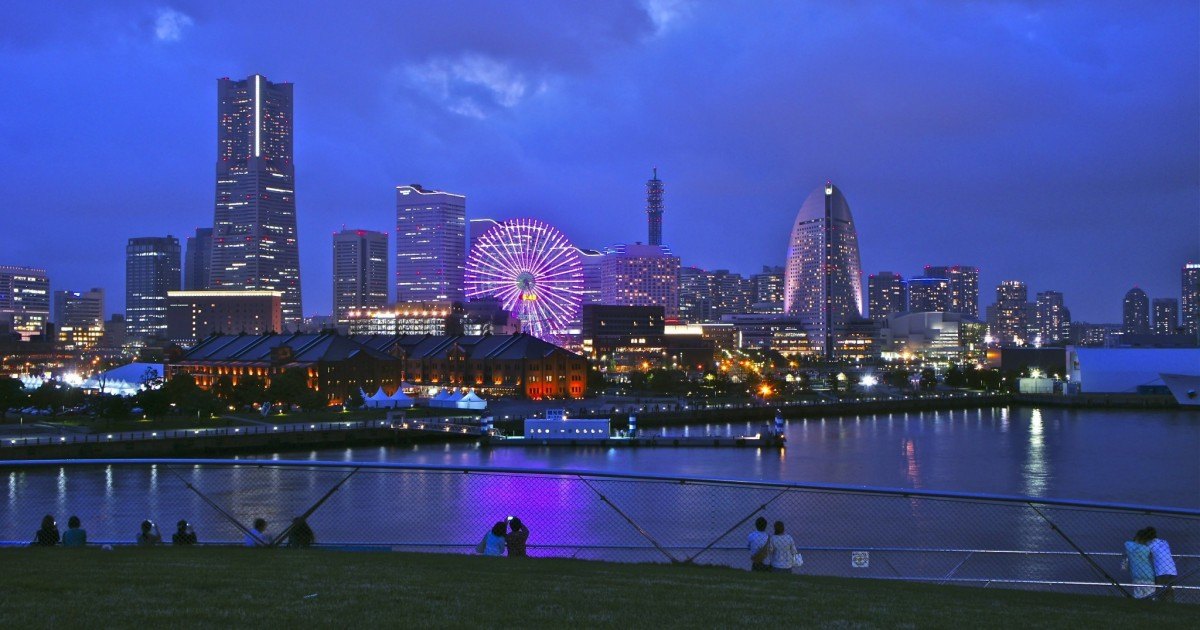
{"points": [[472, 85], [170, 24]]}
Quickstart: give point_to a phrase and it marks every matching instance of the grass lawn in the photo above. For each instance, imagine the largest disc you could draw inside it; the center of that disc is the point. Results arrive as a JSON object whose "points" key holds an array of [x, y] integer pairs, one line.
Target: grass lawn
{"points": [[252, 588]]}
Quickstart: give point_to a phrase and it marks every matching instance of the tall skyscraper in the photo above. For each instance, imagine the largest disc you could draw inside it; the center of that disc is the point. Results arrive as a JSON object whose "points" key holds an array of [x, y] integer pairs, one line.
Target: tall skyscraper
{"points": [[360, 272], [654, 208], [641, 275], [197, 260], [1135, 313], [886, 295], [254, 225], [24, 300], [768, 290], [823, 277], [1191, 299], [964, 287], [1053, 318], [151, 270], [431, 245], [929, 295], [79, 318], [731, 293], [593, 277], [695, 295], [1008, 318], [1166, 316]]}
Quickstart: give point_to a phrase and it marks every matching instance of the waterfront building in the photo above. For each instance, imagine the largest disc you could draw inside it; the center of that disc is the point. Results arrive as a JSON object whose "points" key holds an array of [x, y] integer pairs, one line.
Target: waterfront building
{"points": [[964, 287], [1135, 312], [197, 260], [929, 295], [823, 277], [1008, 317], [429, 318], [931, 336], [641, 275], [1166, 316], [887, 294], [24, 300], [1095, 335], [79, 318], [1053, 319], [654, 209], [360, 272], [151, 272], [786, 334], [194, 315], [255, 244], [431, 254], [1191, 299], [623, 338], [768, 290]]}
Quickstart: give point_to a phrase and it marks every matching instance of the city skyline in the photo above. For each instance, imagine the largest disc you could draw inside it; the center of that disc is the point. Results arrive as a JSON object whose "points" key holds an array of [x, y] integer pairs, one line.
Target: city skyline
{"points": [[1042, 204]]}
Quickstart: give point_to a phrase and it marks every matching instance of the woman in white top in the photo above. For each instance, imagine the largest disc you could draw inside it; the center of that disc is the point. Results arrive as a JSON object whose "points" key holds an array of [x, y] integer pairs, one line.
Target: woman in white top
{"points": [[783, 550]]}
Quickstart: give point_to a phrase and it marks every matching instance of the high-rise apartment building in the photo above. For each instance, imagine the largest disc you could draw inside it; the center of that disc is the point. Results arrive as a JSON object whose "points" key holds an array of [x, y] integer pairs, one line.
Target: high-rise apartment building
{"points": [[654, 208], [731, 293], [431, 254], [823, 277], [197, 260], [1008, 317], [254, 225], [1053, 319], [887, 294], [929, 295], [24, 300], [1166, 316], [1135, 313], [593, 279], [151, 270], [641, 275], [79, 318], [964, 287], [1191, 299], [360, 272], [695, 298], [768, 290]]}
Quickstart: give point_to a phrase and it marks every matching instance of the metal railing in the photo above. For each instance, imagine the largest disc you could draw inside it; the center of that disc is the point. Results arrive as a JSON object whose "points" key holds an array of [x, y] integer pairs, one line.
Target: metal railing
{"points": [[265, 428], [851, 531]]}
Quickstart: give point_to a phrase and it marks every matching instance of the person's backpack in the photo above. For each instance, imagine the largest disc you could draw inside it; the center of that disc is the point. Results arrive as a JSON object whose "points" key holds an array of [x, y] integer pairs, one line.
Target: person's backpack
{"points": [[764, 552]]}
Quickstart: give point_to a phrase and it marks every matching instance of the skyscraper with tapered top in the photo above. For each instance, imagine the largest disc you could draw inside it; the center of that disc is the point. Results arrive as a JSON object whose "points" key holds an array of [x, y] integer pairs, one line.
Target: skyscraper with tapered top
{"points": [[654, 208], [823, 275], [254, 227]]}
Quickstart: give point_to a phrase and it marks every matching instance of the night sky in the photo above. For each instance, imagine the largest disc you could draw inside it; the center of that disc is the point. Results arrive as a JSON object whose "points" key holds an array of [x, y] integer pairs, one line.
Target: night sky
{"points": [[1054, 143]]}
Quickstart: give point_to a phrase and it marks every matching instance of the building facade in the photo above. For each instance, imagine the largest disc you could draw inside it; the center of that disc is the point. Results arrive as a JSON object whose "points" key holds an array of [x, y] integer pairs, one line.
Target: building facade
{"points": [[431, 254], [1135, 313], [151, 272], [1166, 316], [823, 276], [1053, 319], [887, 294], [929, 295], [964, 287], [24, 300], [1008, 317], [768, 290], [360, 272], [1190, 301], [194, 315], [641, 275], [197, 260], [255, 245], [79, 318]]}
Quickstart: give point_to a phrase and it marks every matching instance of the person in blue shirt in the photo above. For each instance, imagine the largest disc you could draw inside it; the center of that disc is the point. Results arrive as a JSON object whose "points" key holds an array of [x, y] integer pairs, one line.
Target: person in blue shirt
{"points": [[1141, 569], [493, 542], [75, 536]]}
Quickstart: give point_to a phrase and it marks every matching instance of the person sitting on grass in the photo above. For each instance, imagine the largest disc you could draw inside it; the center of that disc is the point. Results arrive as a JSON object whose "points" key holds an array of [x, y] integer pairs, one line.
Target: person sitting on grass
{"points": [[516, 538], [75, 536], [149, 536], [301, 536], [184, 534], [783, 550], [759, 544], [258, 536], [47, 536], [493, 541]]}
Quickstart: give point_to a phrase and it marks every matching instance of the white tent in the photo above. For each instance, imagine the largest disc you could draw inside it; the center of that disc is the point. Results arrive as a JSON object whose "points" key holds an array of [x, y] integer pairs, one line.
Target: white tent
{"points": [[126, 380], [400, 399], [472, 401], [443, 399], [378, 400]]}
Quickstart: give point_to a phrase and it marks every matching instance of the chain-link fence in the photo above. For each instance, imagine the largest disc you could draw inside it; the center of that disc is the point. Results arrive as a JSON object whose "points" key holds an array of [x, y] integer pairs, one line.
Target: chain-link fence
{"points": [[840, 530]]}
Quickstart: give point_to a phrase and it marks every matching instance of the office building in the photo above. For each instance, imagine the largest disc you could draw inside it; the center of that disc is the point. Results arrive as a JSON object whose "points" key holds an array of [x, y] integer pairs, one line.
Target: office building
{"points": [[197, 260], [1190, 302], [255, 245], [823, 277], [640, 275], [1053, 319], [695, 300], [932, 336], [887, 294], [194, 315], [432, 318], [654, 209], [24, 300], [1166, 316], [1008, 317], [151, 271], [768, 290], [785, 334], [730, 293], [623, 338], [1135, 313], [360, 272], [929, 295], [964, 287], [592, 275], [431, 253], [79, 318]]}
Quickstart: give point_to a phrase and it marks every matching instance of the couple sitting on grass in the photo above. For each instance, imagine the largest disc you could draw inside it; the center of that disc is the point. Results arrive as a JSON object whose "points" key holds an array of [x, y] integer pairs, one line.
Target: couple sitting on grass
{"points": [[772, 552]]}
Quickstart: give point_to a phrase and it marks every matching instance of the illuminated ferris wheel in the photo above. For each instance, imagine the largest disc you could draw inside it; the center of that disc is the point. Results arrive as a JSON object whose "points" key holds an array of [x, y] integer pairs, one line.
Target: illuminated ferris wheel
{"points": [[533, 270]]}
